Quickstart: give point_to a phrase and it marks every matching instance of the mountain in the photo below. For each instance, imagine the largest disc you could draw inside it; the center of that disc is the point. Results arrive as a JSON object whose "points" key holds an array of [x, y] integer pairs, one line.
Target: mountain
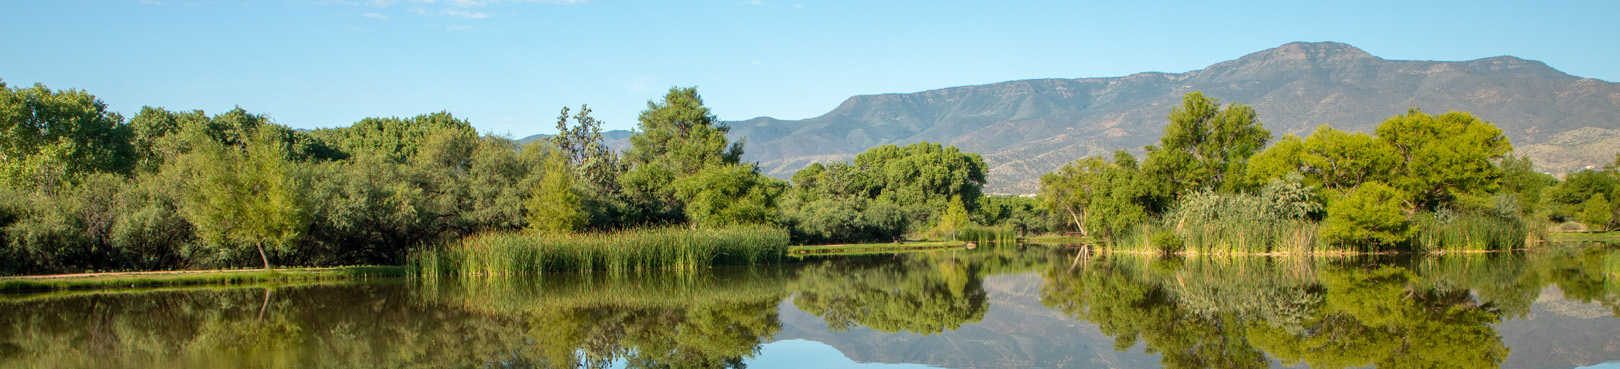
{"points": [[1029, 127]]}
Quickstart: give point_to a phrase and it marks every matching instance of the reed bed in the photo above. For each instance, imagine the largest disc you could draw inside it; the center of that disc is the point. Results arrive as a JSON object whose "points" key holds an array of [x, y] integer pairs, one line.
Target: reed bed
{"points": [[1468, 232], [983, 234], [503, 254]]}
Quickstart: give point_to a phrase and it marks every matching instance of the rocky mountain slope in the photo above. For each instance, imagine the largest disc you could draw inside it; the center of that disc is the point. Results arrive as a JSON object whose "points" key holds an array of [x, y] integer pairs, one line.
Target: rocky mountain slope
{"points": [[1026, 128]]}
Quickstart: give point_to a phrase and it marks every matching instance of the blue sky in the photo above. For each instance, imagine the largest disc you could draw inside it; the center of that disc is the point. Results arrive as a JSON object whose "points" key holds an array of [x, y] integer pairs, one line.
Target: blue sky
{"points": [[508, 66]]}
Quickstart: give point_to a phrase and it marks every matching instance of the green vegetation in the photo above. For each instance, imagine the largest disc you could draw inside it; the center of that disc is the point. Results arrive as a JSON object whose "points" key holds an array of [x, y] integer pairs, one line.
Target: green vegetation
{"points": [[1385, 311], [1420, 183], [506, 254], [225, 277]]}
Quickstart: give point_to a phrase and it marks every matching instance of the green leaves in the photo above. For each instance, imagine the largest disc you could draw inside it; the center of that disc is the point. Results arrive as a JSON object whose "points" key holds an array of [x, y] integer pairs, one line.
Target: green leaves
{"points": [[1205, 146], [1369, 218], [239, 197], [49, 139]]}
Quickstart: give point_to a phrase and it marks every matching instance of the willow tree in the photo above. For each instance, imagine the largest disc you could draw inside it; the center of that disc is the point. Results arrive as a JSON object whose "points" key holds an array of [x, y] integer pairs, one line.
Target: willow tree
{"points": [[244, 195]]}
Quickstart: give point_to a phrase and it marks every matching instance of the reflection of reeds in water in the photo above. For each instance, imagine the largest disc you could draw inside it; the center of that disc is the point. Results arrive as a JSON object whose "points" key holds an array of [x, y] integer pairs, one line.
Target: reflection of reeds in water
{"points": [[661, 289], [499, 254]]}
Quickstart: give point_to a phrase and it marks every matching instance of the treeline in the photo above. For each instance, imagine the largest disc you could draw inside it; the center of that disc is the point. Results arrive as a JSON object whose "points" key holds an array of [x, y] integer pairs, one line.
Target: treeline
{"points": [[83, 189], [1420, 182]]}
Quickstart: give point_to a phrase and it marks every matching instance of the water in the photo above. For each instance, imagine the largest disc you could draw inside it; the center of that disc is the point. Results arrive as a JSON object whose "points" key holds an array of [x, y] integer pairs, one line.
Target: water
{"points": [[995, 307]]}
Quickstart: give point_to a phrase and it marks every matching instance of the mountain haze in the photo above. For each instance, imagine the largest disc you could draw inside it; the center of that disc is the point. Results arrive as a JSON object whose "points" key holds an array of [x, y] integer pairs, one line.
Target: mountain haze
{"points": [[1029, 127]]}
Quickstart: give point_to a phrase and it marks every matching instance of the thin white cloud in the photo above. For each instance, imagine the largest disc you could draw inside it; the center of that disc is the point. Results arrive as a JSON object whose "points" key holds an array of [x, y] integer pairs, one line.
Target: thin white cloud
{"points": [[755, 2], [381, 3], [467, 14], [756, 62], [459, 28], [419, 11], [375, 16]]}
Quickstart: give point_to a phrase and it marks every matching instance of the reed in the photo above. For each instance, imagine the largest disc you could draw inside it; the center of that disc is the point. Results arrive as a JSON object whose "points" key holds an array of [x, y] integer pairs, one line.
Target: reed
{"points": [[498, 254], [984, 234], [1468, 232]]}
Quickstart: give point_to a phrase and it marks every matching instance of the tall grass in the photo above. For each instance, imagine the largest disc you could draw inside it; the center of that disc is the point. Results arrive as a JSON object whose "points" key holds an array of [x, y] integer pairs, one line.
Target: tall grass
{"points": [[983, 234], [497, 254], [1468, 232]]}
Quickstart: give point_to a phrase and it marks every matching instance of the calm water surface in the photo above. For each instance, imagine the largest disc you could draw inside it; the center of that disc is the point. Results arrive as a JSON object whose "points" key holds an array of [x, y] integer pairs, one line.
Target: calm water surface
{"points": [[995, 307]]}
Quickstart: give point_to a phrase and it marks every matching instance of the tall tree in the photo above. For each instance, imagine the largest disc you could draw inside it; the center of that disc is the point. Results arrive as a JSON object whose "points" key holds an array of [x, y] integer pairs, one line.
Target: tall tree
{"points": [[244, 196], [48, 138], [1206, 146], [677, 138]]}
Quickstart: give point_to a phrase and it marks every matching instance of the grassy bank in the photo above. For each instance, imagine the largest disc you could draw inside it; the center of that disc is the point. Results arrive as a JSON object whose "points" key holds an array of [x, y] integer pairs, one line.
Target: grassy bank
{"points": [[867, 248], [189, 278], [643, 249]]}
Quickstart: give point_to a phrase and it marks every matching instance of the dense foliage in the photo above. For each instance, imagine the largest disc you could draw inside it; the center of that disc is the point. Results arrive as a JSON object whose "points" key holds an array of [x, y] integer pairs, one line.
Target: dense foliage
{"points": [[85, 190], [1419, 182]]}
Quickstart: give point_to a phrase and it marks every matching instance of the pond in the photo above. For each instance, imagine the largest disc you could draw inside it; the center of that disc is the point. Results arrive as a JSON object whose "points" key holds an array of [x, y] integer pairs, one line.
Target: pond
{"points": [[1025, 306]]}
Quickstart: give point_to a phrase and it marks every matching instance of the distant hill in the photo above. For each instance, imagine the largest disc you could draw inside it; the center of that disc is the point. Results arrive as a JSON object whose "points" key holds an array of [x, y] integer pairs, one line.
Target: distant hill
{"points": [[1026, 128]]}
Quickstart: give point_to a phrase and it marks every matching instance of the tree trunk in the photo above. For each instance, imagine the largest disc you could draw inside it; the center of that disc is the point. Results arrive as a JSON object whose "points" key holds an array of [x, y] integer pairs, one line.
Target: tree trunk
{"points": [[266, 260]]}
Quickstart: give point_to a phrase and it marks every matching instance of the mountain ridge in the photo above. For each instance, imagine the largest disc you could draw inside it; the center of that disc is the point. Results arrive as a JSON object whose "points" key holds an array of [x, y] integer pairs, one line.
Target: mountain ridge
{"points": [[1025, 128]]}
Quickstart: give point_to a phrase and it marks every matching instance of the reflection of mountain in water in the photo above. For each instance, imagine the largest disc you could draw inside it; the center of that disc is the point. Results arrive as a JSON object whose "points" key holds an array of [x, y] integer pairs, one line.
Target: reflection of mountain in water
{"points": [[1560, 333], [1016, 332]]}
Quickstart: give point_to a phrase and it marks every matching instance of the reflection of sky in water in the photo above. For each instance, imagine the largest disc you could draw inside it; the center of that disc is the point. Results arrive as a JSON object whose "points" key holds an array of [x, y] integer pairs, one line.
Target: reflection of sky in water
{"points": [[811, 354], [1608, 365], [805, 354]]}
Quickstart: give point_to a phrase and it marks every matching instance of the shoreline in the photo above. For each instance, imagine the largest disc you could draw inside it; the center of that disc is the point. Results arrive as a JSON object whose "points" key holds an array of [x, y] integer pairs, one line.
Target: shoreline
{"points": [[113, 280]]}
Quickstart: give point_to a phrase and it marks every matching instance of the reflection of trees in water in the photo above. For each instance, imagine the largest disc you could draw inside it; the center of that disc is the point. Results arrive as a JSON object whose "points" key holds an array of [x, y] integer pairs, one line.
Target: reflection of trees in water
{"points": [[1420, 312], [706, 321], [923, 292]]}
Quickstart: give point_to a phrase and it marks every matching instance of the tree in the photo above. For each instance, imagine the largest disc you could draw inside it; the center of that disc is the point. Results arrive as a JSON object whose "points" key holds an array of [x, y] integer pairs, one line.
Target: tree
{"points": [[592, 160], [729, 195], [954, 218], [1598, 214], [1443, 156], [1343, 161], [677, 138], [1206, 146], [1069, 190], [554, 206], [1370, 217], [50, 138], [238, 196]]}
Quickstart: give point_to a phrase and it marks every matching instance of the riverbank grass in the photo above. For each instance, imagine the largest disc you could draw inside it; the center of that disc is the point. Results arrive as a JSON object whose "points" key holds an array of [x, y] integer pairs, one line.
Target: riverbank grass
{"points": [[191, 278], [499, 254]]}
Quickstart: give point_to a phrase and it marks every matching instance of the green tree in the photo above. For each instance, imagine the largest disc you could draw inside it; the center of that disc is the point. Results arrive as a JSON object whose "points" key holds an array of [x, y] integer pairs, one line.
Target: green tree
{"points": [[729, 195], [1520, 178], [51, 138], [554, 207], [1206, 146], [244, 196], [1597, 214], [592, 160], [677, 138], [1070, 189], [1343, 161], [1369, 218], [954, 218], [1283, 157], [1444, 156]]}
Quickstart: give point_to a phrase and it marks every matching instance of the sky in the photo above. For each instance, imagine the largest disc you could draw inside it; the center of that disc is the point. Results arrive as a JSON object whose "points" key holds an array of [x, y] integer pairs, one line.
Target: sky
{"points": [[509, 66]]}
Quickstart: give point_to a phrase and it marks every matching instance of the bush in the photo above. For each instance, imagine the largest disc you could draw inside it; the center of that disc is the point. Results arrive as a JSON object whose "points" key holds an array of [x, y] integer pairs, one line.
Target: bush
{"points": [[1167, 242], [1369, 219]]}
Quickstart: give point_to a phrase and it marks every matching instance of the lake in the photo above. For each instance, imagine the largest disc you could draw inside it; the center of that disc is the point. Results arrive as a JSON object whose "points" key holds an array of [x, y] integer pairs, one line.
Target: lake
{"points": [[1025, 306]]}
